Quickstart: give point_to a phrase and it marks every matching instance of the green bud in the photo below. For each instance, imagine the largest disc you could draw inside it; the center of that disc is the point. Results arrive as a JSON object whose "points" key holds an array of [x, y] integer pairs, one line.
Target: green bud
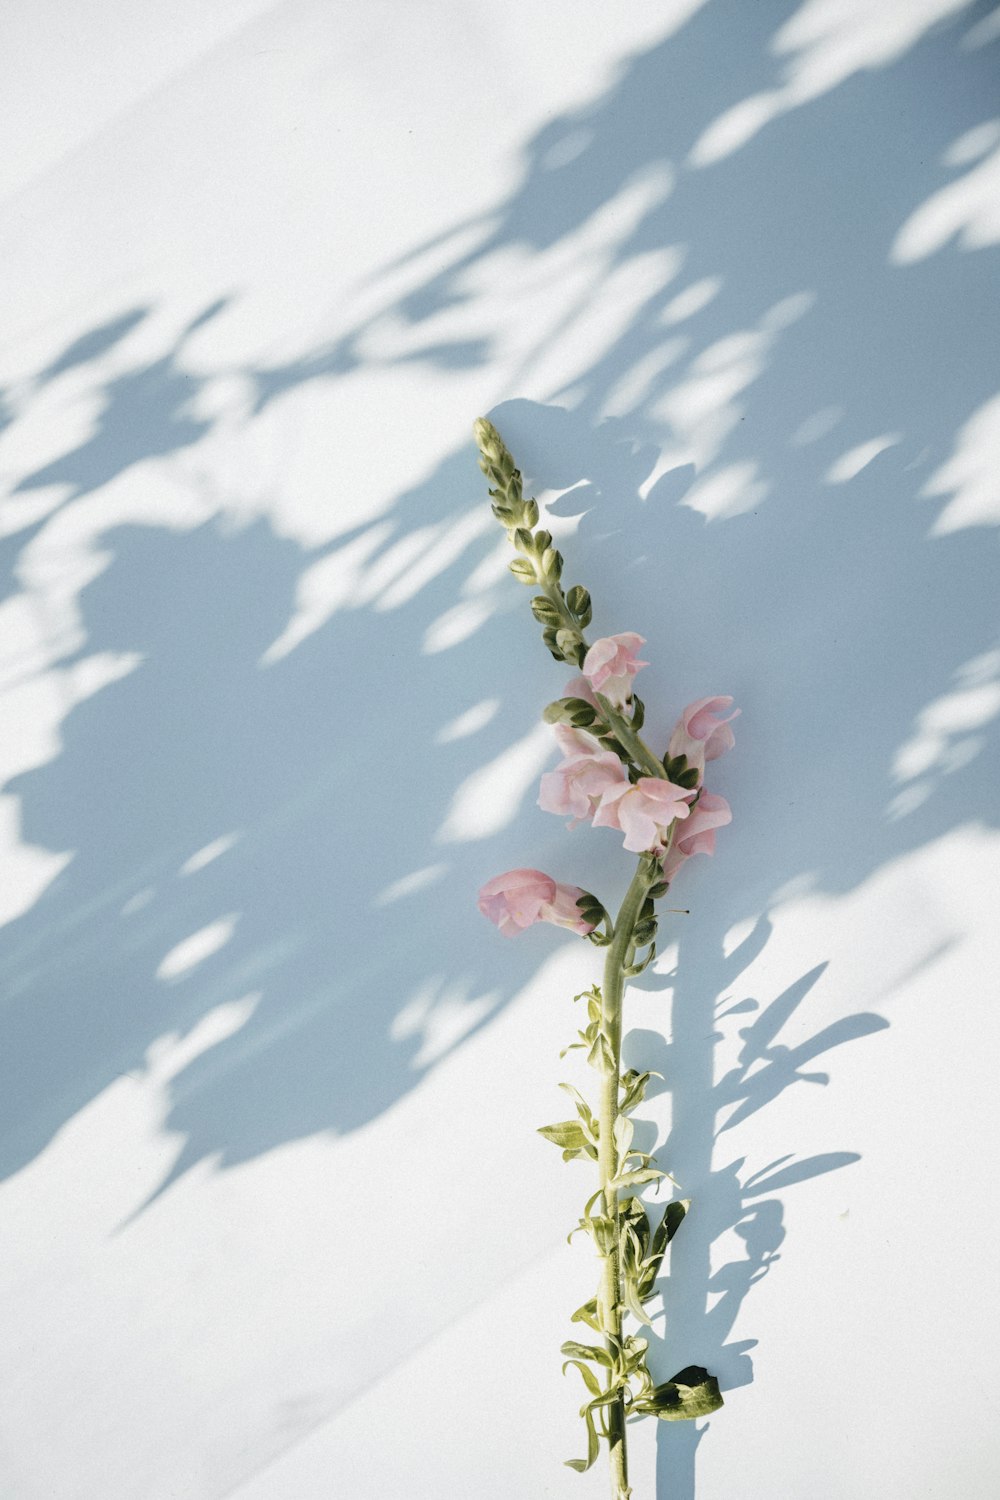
{"points": [[551, 563], [549, 638], [568, 642], [543, 539], [531, 513], [523, 569], [488, 440], [544, 610], [503, 514], [579, 602], [522, 540]]}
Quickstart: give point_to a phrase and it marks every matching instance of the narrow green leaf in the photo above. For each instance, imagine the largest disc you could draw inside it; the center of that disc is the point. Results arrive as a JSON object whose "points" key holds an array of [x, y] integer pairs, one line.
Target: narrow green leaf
{"points": [[581, 1465], [593, 1352], [635, 1179], [590, 1379]]}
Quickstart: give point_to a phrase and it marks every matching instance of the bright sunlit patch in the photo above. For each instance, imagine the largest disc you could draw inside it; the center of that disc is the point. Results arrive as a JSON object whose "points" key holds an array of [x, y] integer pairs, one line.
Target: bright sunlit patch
{"points": [[815, 427], [731, 491], [939, 740], [970, 475], [850, 464], [169, 1054], [823, 43], [139, 901], [25, 870], [489, 799], [408, 885], [474, 719], [737, 934], [439, 1016], [456, 625], [329, 584], [194, 950], [210, 852], [968, 209], [692, 300]]}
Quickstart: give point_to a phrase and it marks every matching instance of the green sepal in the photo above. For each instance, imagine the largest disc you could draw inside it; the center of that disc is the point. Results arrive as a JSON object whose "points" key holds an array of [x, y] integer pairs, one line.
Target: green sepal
{"points": [[523, 570], [638, 713], [688, 779], [692, 1393]]}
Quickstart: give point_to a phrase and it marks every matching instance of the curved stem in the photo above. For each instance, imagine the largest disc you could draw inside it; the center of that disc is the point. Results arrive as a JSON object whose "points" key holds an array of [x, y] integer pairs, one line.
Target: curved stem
{"points": [[610, 1297]]}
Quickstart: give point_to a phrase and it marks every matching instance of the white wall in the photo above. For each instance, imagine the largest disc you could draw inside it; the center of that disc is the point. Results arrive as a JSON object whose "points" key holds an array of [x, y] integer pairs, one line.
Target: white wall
{"points": [[276, 1221]]}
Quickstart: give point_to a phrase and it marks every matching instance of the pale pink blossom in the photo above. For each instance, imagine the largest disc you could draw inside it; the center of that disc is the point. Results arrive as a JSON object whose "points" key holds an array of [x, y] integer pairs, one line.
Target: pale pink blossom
{"points": [[701, 733], [610, 665], [586, 772], [698, 834], [643, 812], [518, 898]]}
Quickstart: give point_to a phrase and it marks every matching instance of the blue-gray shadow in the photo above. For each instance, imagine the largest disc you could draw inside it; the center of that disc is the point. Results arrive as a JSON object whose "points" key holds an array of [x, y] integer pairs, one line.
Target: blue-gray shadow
{"points": [[826, 610]]}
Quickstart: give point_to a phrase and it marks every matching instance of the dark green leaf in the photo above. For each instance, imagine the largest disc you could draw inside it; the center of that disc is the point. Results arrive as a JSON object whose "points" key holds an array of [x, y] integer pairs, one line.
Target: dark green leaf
{"points": [[692, 1393]]}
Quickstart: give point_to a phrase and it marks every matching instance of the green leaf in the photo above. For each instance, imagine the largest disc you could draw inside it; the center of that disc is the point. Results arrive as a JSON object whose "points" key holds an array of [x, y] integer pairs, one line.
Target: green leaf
{"points": [[600, 1055], [590, 1379], [633, 1300], [634, 1086], [583, 1109], [581, 1465], [569, 1134], [623, 1132], [586, 1351], [692, 1393], [588, 1314], [635, 1179]]}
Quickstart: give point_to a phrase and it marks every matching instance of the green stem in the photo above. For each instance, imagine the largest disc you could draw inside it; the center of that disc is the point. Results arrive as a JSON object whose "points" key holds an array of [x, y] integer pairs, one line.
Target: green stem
{"points": [[624, 733], [610, 1296]]}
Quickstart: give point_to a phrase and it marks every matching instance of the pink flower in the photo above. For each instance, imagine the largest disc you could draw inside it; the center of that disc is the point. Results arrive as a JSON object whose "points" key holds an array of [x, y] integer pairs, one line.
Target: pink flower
{"points": [[520, 897], [698, 834], [576, 786], [643, 812], [701, 734], [611, 663]]}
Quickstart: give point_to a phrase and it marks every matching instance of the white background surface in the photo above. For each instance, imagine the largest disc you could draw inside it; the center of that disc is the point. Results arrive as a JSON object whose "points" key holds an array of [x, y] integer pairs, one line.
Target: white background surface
{"points": [[276, 1221]]}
